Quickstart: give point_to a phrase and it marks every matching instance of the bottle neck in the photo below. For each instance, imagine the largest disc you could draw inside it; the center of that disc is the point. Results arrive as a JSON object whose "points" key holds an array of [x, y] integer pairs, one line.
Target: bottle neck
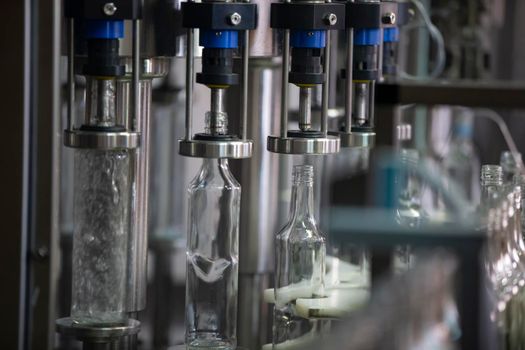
{"points": [[302, 204]]}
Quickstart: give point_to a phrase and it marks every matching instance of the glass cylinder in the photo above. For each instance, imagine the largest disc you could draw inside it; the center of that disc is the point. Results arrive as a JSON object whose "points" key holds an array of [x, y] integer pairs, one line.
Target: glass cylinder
{"points": [[300, 263], [102, 197], [212, 257]]}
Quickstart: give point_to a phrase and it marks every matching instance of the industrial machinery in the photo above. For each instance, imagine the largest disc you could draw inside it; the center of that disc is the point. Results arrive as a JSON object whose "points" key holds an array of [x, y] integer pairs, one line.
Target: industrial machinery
{"points": [[151, 205]]}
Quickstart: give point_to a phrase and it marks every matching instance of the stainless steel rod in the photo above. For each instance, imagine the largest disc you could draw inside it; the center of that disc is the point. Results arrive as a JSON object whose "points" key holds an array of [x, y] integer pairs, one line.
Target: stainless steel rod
{"points": [[326, 85], [305, 108], [284, 97], [189, 82], [136, 73], [70, 74], [244, 97], [349, 84]]}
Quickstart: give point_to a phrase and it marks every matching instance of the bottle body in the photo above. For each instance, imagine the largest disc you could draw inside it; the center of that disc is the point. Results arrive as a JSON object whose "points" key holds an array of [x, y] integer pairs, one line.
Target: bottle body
{"points": [[101, 232], [212, 257], [300, 265]]}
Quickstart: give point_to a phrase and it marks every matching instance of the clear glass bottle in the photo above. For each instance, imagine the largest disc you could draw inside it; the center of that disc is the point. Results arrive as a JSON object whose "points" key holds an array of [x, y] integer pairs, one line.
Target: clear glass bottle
{"points": [[300, 264], [491, 185], [509, 168], [212, 257], [461, 162]]}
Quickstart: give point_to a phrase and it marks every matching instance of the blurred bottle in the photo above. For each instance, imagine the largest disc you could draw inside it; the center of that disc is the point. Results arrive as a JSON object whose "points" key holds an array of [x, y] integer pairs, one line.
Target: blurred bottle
{"points": [[212, 257], [491, 186], [461, 162], [509, 168], [300, 264]]}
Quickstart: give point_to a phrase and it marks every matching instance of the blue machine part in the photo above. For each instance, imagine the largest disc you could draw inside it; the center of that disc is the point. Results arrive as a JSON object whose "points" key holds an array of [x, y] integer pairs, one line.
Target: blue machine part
{"points": [[367, 37], [391, 35], [315, 39], [103, 29], [224, 39]]}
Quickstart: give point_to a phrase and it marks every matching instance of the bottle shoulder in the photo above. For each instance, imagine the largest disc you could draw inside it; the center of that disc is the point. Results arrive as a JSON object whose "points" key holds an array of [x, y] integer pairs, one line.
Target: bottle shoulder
{"points": [[300, 231]]}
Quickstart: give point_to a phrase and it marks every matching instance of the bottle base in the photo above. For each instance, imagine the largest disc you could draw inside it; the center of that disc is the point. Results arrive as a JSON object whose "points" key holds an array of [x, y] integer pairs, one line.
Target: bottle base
{"points": [[209, 342]]}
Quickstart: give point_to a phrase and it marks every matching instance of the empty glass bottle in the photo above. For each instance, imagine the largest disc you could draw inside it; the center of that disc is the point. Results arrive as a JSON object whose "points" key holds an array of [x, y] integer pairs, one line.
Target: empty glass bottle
{"points": [[300, 264], [461, 162], [509, 168], [212, 257]]}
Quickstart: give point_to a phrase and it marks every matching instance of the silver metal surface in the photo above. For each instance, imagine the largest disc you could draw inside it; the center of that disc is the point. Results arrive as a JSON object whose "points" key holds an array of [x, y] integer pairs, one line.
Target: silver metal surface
{"points": [[305, 108], [326, 84], [216, 149], [284, 83], [149, 68], [190, 72], [264, 181], [361, 103], [349, 83], [325, 145], [68, 327], [244, 85], [356, 139], [70, 72], [135, 88], [264, 41], [138, 240], [217, 100], [101, 140]]}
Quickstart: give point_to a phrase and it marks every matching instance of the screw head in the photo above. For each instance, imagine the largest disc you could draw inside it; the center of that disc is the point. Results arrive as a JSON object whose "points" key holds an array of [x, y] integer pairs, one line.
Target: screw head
{"points": [[331, 19], [109, 9], [235, 19], [389, 18]]}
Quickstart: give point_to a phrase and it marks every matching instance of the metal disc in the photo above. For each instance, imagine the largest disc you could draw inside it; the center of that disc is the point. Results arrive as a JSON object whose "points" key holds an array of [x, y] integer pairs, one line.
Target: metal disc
{"points": [[238, 149], [357, 139], [101, 140], [325, 145]]}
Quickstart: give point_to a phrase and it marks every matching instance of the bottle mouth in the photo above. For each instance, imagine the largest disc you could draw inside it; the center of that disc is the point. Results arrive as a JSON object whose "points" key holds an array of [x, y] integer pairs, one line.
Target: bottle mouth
{"points": [[491, 175], [303, 174]]}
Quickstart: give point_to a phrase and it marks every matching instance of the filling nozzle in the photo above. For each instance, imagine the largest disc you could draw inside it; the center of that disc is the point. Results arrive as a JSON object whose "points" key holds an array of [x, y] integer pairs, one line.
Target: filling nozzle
{"points": [[216, 118], [305, 108]]}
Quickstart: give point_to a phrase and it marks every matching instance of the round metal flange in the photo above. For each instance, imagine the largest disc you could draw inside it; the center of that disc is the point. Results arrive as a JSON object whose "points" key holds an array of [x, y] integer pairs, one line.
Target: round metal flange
{"points": [[237, 149], [295, 145], [357, 139], [96, 333], [101, 140]]}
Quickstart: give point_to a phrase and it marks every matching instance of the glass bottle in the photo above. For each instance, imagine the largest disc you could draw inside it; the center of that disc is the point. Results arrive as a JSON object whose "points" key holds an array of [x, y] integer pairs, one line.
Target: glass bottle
{"points": [[491, 184], [300, 263], [509, 168], [461, 162], [212, 257]]}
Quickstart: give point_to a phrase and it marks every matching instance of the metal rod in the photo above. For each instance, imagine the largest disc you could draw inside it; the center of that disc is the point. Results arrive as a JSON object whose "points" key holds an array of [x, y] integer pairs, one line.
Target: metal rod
{"points": [[189, 82], [135, 88], [371, 103], [349, 84], [305, 108], [284, 98], [244, 98], [70, 73], [326, 85]]}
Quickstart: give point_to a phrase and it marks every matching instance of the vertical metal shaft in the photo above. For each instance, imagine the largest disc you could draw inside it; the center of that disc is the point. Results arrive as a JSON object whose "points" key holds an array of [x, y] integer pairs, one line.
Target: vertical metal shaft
{"points": [[189, 82], [326, 85], [135, 88], [284, 98], [349, 84], [244, 86], [371, 102], [305, 108], [70, 73]]}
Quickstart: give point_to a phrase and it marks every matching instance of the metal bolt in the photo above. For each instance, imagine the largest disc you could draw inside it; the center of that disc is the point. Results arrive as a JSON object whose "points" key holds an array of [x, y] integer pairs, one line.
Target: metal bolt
{"points": [[389, 18], [235, 19], [109, 9], [331, 19]]}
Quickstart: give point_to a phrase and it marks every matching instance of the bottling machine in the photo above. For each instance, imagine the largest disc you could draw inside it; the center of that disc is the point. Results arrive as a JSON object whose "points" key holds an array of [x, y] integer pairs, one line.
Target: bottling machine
{"points": [[121, 249]]}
